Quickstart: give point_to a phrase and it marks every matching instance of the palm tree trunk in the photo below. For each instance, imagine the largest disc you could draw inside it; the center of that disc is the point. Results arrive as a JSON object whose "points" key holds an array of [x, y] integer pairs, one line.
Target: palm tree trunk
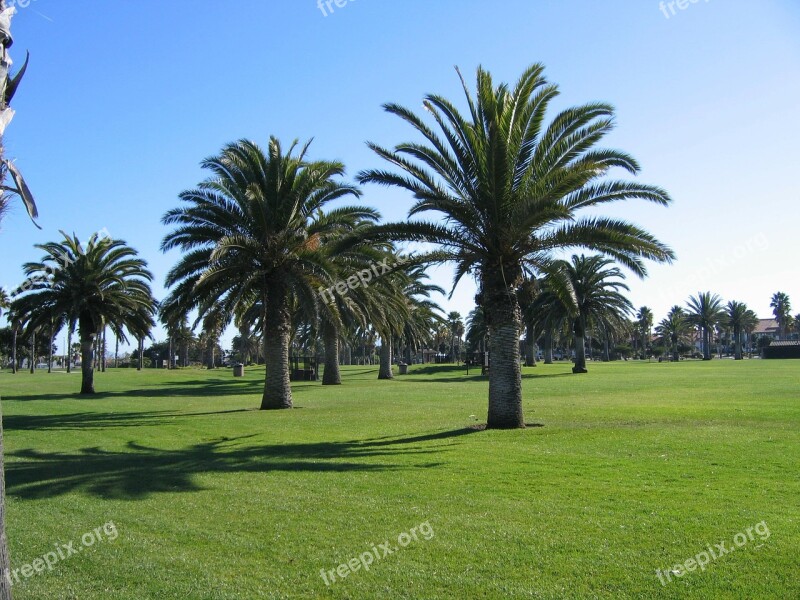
{"points": [[140, 361], [33, 353], [50, 350], [548, 346], [738, 352], [385, 370], [580, 347], [606, 353], [505, 376], [706, 344], [103, 350], [87, 363], [14, 351], [116, 352], [277, 326], [330, 337], [530, 345], [676, 355], [69, 348], [5, 559]]}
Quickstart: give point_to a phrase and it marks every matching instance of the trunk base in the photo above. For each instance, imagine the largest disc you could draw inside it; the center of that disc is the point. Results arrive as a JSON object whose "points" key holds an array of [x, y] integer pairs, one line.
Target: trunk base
{"points": [[269, 404], [579, 370]]}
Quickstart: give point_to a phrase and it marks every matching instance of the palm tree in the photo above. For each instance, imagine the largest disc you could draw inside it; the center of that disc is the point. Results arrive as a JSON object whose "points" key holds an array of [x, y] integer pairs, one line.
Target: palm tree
{"points": [[526, 295], [424, 315], [250, 238], [597, 299], [508, 191], [674, 329], [103, 283], [8, 87], [782, 309], [735, 318], [551, 312], [644, 322], [796, 322], [477, 332], [351, 308], [749, 325], [705, 311], [456, 327]]}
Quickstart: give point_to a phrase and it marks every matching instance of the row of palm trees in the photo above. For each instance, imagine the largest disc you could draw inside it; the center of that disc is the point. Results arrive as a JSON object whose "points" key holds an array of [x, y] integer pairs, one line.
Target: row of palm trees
{"points": [[586, 296], [506, 188]]}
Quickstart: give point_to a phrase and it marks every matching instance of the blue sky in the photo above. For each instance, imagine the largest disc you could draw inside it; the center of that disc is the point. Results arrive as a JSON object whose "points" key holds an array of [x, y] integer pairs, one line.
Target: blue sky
{"points": [[123, 99]]}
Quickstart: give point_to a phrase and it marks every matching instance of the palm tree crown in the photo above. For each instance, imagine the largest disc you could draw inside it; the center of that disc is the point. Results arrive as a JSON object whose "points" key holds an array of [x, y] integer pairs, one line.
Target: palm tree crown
{"points": [[782, 309]]}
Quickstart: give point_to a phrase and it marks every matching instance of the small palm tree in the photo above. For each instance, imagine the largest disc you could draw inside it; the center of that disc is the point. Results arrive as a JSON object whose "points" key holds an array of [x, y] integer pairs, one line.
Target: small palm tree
{"points": [[598, 301], [735, 318], [424, 315], [749, 325], [103, 283], [674, 329], [477, 332], [551, 313], [782, 309], [507, 190], [250, 238], [456, 327], [705, 311], [644, 323]]}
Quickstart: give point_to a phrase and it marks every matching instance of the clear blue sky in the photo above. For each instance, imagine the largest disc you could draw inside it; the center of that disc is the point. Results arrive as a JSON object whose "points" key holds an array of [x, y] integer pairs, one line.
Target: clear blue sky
{"points": [[123, 99]]}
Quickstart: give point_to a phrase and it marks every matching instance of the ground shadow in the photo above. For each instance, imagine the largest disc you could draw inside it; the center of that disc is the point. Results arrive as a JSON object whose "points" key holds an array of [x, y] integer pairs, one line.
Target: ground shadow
{"points": [[96, 420], [199, 388], [139, 471]]}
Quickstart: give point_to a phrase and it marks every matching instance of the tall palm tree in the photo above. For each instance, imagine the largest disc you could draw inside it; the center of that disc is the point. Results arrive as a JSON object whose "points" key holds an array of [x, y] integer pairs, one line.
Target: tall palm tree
{"points": [[508, 191], [735, 318], [424, 315], [477, 331], [597, 299], [674, 329], [104, 283], [782, 309], [526, 295], [456, 327], [749, 325], [249, 237], [644, 322], [340, 310], [8, 87], [705, 311]]}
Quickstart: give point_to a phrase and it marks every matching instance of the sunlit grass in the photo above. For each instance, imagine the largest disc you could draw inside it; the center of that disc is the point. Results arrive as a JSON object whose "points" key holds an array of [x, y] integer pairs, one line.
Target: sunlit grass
{"points": [[631, 468]]}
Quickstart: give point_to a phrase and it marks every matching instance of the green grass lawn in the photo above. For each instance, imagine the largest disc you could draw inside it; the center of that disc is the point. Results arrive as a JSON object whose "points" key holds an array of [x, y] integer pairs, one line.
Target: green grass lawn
{"points": [[629, 469]]}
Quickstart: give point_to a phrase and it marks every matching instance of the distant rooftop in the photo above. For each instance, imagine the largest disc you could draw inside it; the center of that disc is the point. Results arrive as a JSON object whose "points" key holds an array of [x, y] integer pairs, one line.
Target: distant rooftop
{"points": [[767, 326]]}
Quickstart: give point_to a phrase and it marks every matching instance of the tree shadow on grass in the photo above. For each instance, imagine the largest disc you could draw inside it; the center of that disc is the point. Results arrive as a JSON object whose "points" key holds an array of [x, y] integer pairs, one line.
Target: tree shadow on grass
{"points": [[200, 388], [138, 471], [97, 420]]}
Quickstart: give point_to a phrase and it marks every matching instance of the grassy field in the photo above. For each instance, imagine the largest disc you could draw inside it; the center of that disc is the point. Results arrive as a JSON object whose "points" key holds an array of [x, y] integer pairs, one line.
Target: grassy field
{"points": [[632, 468]]}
